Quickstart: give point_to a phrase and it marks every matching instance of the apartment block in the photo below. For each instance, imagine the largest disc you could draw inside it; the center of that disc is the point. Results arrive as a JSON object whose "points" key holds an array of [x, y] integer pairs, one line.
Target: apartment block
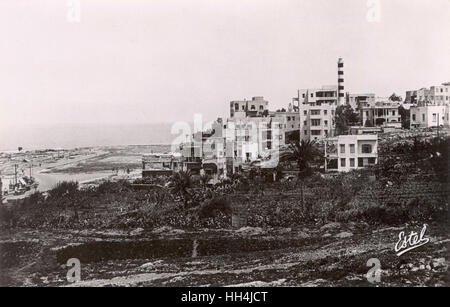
{"points": [[357, 101], [435, 95], [349, 152], [249, 108], [317, 109]]}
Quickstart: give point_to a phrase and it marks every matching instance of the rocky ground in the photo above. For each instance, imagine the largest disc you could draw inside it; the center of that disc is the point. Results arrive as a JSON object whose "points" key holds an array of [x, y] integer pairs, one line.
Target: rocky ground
{"points": [[332, 255]]}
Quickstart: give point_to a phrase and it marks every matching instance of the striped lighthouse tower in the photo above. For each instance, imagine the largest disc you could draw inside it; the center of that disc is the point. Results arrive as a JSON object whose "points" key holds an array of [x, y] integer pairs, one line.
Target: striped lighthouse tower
{"points": [[341, 94]]}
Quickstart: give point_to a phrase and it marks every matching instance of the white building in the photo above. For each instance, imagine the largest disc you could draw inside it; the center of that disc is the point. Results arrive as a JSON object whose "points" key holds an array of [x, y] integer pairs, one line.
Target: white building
{"points": [[317, 109], [356, 101], [429, 116], [349, 152], [253, 138], [382, 114], [249, 108]]}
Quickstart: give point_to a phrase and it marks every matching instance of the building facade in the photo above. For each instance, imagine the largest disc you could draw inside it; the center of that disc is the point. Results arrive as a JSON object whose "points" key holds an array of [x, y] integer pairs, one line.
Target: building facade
{"points": [[249, 108], [429, 116], [317, 109], [435, 95], [350, 152], [382, 114], [357, 101]]}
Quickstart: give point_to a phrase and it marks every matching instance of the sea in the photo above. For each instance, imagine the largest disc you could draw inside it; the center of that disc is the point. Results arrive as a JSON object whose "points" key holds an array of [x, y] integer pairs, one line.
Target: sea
{"points": [[61, 136]]}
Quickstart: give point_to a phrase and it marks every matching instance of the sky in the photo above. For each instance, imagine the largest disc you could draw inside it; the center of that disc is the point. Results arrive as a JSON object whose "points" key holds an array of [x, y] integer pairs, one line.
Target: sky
{"points": [[161, 61]]}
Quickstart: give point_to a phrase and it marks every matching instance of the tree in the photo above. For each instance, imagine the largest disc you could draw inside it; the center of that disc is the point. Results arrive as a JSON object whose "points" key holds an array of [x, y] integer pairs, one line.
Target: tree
{"points": [[379, 121], [179, 184], [204, 179], [304, 153], [66, 194], [19, 148], [405, 117], [345, 117], [368, 123], [395, 97]]}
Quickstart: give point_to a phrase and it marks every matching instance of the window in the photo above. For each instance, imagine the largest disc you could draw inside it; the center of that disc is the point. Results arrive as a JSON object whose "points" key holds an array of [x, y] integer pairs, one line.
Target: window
{"points": [[342, 148], [342, 162], [325, 122], [366, 148], [414, 117], [352, 148], [315, 122], [325, 112], [352, 162], [253, 107], [371, 160], [236, 107], [288, 118], [306, 132], [326, 132], [305, 123], [434, 117], [312, 94], [303, 95], [315, 112], [360, 162], [261, 107], [423, 117], [393, 113], [305, 113], [315, 132]]}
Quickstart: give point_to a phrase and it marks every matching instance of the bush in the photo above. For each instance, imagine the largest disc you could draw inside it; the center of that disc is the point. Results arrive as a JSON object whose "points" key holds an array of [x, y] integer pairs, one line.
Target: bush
{"points": [[64, 189], [212, 207]]}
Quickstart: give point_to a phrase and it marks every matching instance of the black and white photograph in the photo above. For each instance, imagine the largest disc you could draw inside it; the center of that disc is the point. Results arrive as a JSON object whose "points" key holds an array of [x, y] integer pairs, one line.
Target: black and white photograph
{"points": [[223, 150]]}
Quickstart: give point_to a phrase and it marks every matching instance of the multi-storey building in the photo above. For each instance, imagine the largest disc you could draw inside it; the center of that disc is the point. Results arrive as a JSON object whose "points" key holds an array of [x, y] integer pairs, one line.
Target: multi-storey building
{"points": [[435, 95], [249, 108], [253, 138], [317, 109], [356, 101], [383, 113], [349, 152]]}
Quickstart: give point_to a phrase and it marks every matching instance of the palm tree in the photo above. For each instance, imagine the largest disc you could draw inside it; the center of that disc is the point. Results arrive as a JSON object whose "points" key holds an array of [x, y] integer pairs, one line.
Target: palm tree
{"points": [[179, 184], [303, 152], [205, 178]]}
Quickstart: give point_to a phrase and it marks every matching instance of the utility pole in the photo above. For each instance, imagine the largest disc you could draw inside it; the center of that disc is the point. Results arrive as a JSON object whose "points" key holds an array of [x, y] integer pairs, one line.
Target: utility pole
{"points": [[438, 127], [15, 174]]}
